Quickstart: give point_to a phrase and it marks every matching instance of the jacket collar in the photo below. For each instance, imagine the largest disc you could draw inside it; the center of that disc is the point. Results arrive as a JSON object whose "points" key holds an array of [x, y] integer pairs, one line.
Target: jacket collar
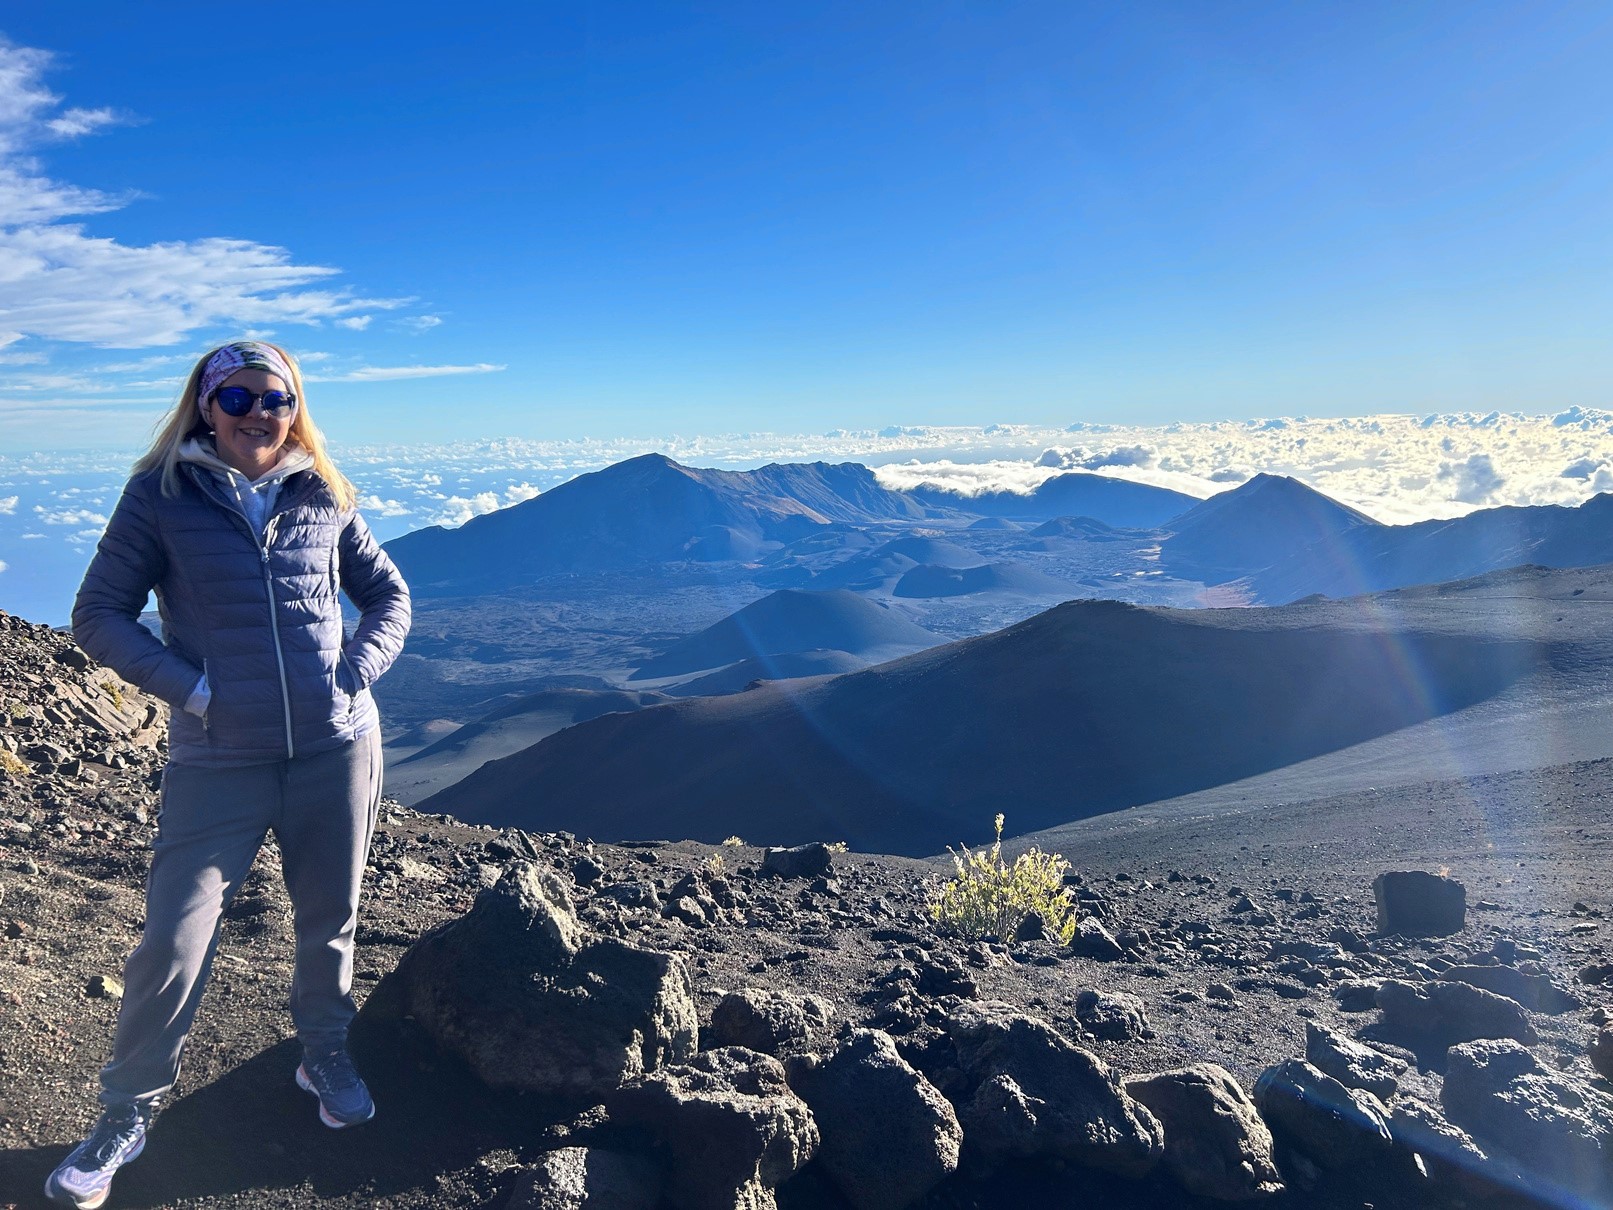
{"points": [[211, 475], [203, 452]]}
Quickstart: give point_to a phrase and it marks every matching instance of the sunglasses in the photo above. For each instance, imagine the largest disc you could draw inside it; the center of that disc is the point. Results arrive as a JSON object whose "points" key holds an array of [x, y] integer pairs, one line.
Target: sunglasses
{"points": [[238, 401]]}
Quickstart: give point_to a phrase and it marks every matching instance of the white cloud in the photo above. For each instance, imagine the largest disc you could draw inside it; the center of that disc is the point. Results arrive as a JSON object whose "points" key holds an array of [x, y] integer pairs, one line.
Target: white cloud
{"points": [[520, 492], [355, 323], [1081, 458], [143, 364], [967, 478], [457, 510], [375, 506], [1474, 480], [392, 373], [4, 566], [1389, 466], [421, 323], [75, 123], [59, 282], [69, 516], [8, 504], [53, 382]]}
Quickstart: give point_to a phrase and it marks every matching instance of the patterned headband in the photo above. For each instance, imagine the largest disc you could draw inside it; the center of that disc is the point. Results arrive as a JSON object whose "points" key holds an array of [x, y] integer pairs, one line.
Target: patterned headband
{"points": [[238, 355]]}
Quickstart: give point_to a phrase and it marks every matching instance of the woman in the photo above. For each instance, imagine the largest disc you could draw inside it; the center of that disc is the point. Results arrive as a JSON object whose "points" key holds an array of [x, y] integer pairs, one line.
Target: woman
{"points": [[247, 531]]}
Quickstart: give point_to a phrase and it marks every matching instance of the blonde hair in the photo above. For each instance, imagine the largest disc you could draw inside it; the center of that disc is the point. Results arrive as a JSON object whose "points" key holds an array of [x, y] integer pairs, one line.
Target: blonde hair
{"points": [[185, 422]]}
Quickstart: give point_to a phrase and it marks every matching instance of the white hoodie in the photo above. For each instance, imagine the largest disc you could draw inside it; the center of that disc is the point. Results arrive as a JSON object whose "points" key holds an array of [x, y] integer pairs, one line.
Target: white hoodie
{"points": [[255, 497]]}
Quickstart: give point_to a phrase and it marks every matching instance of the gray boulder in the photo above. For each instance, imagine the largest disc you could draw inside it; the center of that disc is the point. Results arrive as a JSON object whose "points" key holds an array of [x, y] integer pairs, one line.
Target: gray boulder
{"points": [[728, 1124], [1337, 1128], [516, 990], [1535, 992], [1215, 1143], [1443, 1014], [1558, 1129], [1030, 1092], [802, 861], [1451, 1158], [761, 1020], [1357, 995], [1415, 903], [1092, 940], [1113, 1016], [587, 1178], [1352, 1064], [1601, 1052], [889, 1136]]}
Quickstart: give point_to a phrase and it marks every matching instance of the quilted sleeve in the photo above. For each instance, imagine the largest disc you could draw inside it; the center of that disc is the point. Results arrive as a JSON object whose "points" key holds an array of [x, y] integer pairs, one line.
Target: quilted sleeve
{"points": [[128, 563], [373, 583]]}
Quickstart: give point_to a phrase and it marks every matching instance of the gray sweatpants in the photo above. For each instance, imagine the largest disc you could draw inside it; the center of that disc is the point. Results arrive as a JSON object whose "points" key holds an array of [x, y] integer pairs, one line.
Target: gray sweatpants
{"points": [[322, 811]]}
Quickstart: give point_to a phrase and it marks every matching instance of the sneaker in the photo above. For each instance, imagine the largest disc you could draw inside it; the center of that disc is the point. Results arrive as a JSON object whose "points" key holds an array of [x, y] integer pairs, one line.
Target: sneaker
{"points": [[84, 1178], [343, 1099]]}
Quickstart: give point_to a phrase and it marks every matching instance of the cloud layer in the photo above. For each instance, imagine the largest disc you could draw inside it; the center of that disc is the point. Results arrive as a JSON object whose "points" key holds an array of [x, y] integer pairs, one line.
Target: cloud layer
{"points": [[1395, 468]]}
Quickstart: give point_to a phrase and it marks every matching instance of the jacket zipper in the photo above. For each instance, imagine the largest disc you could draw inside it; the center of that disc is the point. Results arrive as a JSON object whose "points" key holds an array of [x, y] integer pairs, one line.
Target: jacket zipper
{"points": [[274, 621], [274, 629], [207, 722]]}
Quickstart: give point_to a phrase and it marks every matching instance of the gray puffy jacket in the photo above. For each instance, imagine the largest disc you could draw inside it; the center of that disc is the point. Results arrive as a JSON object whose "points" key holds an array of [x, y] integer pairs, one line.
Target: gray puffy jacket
{"points": [[262, 622]]}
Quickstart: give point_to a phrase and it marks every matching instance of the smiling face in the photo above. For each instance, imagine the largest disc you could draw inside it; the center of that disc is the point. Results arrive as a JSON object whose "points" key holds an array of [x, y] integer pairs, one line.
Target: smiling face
{"points": [[251, 443]]}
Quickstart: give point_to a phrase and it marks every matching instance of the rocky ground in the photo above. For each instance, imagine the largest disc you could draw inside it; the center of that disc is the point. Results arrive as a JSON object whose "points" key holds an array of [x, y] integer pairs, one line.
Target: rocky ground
{"points": [[1209, 953]]}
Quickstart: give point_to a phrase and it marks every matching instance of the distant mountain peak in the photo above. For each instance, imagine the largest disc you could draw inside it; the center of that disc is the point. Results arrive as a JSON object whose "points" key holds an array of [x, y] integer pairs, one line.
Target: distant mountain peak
{"points": [[1254, 525]]}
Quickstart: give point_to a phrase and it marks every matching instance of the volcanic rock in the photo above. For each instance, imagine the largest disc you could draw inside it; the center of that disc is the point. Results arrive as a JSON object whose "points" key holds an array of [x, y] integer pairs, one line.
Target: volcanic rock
{"points": [[1030, 1092], [1449, 1154], [1442, 1014], [1215, 1142], [1601, 1052], [729, 1125], [759, 1020], [802, 861], [587, 1178], [889, 1136], [1357, 995], [1112, 1016], [515, 990], [1536, 992], [1352, 1064], [1415, 903], [1092, 940], [1337, 1128], [1559, 1129]]}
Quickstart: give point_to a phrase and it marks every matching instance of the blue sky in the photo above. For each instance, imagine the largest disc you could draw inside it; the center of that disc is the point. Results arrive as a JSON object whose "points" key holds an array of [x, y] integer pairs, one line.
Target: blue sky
{"points": [[563, 221]]}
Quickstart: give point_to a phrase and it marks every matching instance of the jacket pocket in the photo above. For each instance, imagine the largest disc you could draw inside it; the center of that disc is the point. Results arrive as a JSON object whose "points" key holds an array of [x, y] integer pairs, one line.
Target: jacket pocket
{"points": [[347, 690], [346, 678], [207, 710]]}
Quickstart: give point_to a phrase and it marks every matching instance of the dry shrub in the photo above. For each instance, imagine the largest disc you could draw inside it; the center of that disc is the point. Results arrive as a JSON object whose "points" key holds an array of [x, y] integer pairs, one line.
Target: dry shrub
{"points": [[988, 896]]}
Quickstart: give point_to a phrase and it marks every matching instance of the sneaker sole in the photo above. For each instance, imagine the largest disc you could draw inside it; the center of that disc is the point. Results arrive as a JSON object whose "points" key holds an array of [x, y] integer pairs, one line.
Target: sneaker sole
{"points": [[66, 1197], [304, 1083]]}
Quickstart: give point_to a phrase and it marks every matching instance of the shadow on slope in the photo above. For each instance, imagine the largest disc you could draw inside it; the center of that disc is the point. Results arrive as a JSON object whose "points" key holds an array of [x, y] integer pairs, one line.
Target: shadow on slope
{"points": [[508, 728], [1015, 579], [793, 620], [736, 678], [252, 1131], [1090, 707]]}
